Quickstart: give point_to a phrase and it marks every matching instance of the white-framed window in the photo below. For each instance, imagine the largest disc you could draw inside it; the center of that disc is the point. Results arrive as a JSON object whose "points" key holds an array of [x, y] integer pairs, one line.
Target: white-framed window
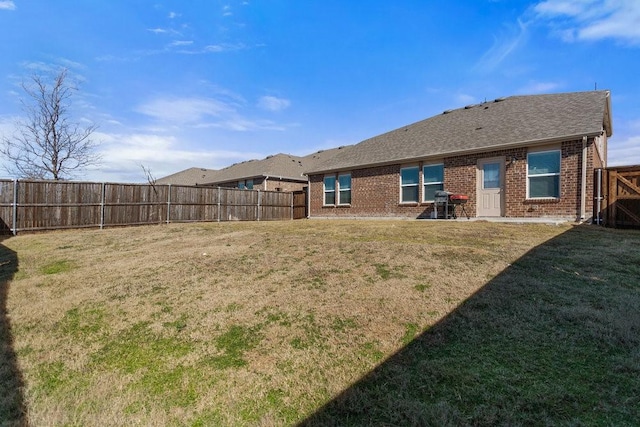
{"points": [[433, 178], [329, 190], [543, 174], [409, 184], [344, 189], [246, 184]]}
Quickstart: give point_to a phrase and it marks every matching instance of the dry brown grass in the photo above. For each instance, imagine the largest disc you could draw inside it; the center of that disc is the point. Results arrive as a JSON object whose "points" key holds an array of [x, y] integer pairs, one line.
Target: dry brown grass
{"points": [[233, 323]]}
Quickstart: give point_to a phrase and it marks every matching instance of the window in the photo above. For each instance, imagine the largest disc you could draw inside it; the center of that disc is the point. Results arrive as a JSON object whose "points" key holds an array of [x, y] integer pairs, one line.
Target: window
{"points": [[409, 181], [330, 190], [433, 181], [245, 184], [344, 189], [490, 176], [543, 174]]}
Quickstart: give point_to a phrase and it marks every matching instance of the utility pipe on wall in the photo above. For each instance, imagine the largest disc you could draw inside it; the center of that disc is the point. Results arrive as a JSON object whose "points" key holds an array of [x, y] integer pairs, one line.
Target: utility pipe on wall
{"points": [[583, 187], [599, 198]]}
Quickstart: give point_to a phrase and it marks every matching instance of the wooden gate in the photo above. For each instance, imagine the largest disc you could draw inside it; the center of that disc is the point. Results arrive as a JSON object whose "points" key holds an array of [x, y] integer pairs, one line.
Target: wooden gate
{"points": [[300, 209], [619, 196]]}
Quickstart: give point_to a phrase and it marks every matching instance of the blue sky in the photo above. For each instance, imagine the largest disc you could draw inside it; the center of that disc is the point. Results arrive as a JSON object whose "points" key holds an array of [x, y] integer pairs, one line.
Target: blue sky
{"points": [[175, 84]]}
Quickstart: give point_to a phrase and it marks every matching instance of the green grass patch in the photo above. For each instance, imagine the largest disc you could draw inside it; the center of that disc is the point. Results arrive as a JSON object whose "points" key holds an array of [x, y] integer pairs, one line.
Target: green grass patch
{"points": [[410, 331], [139, 348], [57, 267], [383, 271], [84, 322], [421, 287], [233, 344]]}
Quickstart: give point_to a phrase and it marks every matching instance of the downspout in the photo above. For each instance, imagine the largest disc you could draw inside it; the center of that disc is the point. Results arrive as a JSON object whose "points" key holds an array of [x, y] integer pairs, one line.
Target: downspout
{"points": [[583, 187], [308, 197], [599, 198]]}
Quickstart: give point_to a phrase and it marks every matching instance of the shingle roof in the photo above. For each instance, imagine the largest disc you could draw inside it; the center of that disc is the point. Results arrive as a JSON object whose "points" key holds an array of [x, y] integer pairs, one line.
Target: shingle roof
{"points": [[278, 165], [191, 176], [516, 120]]}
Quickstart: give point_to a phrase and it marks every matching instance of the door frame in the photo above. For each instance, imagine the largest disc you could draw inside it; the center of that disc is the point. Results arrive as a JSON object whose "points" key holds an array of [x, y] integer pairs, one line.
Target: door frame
{"points": [[479, 178]]}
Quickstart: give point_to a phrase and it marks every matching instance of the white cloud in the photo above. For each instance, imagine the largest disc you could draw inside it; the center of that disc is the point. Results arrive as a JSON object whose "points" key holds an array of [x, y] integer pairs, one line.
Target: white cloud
{"points": [[272, 103], [592, 19], [223, 47], [503, 46], [624, 152], [181, 43], [184, 110], [539, 87], [204, 113], [226, 10], [7, 5], [173, 15], [464, 99], [122, 155]]}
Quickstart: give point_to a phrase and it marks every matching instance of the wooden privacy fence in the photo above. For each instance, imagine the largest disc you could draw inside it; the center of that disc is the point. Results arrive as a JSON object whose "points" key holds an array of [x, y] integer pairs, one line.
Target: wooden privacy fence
{"points": [[47, 205], [617, 194]]}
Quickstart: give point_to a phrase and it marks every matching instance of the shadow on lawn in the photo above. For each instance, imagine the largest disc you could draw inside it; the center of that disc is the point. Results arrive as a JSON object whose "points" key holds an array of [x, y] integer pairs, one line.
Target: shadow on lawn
{"points": [[553, 339], [12, 408]]}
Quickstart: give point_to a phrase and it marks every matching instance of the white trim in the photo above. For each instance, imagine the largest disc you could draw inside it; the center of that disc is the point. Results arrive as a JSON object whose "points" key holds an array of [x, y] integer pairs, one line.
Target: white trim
{"points": [[417, 185], [424, 183], [324, 190], [339, 190], [542, 175]]}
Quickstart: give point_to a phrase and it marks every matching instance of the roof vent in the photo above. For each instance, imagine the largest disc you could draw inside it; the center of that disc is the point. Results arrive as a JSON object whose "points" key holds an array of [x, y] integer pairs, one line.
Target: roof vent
{"points": [[446, 111], [466, 107], [499, 99]]}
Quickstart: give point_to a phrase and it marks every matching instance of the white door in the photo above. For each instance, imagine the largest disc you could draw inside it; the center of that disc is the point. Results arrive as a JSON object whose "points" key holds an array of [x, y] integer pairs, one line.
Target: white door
{"points": [[490, 187]]}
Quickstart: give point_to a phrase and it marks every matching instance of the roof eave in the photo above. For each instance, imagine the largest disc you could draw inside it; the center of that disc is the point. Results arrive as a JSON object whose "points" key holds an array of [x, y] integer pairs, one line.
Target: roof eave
{"points": [[264, 175]]}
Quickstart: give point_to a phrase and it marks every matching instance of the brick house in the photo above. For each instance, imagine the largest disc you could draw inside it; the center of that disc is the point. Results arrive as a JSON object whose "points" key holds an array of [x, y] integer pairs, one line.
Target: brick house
{"points": [[520, 156]]}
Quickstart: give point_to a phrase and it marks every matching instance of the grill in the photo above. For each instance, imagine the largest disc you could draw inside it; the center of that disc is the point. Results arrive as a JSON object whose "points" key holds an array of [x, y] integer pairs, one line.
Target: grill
{"points": [[446, 203]]}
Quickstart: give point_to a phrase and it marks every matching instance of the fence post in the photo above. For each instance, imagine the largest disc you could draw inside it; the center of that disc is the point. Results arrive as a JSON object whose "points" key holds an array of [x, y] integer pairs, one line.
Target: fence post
{"points": [[102, 196], [218, 204], [15, 207], [169, 205], [292, 205], [258, 207], [613, 199]]}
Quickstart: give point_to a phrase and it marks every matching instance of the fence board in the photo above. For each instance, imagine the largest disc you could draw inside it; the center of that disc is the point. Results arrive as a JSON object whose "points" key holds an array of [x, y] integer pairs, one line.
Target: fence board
{"points": [[620, 204], [44, 205]]}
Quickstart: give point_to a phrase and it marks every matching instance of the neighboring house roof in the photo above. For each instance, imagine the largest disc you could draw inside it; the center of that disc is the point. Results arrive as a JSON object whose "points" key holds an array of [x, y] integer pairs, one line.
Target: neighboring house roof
{"points": [[191, 176], [498, 124], [283, 166], [311, 161]]}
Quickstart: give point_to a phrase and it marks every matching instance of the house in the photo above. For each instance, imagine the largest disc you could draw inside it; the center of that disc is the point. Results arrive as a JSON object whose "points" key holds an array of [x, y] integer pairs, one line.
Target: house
{"points": [[520, 156], [191, 176], [279, 172]]}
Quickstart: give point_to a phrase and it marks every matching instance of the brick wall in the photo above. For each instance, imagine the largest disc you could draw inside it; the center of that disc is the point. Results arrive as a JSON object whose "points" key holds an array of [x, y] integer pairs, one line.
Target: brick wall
{"points": [[270, 184], [375, 192]]}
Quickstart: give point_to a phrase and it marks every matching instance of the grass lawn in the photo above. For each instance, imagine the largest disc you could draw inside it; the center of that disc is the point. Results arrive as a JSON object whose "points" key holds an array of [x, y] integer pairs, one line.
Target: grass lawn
{"points": [[321, 323]]}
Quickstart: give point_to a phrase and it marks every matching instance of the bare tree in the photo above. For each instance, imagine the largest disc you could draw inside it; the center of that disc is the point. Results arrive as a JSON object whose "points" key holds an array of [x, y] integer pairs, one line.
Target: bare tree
{"points": [[150, 178], [47, 144]]}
